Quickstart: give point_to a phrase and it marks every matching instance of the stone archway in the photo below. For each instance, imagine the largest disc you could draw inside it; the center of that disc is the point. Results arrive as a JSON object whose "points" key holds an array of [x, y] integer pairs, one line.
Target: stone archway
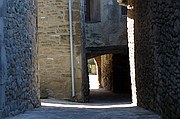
{"points": [[113, 74], [106, 37]]}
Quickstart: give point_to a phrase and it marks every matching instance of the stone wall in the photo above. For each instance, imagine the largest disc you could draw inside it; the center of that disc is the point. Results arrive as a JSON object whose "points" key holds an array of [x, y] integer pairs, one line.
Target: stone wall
{"points": [[3, 64], [54, 48], [19, 82], [103, 37], [85, 79], [106, 72], [111, 30], [157, 53]]}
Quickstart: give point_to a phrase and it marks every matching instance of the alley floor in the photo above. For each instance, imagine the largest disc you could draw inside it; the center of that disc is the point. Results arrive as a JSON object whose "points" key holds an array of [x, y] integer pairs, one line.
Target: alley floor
{"points": [[97, 108]]}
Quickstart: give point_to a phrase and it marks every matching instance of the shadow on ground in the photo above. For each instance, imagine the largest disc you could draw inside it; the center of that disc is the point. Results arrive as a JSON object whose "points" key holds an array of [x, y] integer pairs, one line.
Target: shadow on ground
{"points": [[103, 106]]}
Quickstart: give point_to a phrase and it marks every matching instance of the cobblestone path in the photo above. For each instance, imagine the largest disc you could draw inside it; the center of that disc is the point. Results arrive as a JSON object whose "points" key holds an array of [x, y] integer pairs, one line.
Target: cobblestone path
{"points": [[53, 109]]}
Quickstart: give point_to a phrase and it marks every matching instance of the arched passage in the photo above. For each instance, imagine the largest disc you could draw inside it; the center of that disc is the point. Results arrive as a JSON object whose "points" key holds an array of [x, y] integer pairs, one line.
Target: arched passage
{"points": [[113, 78], [108, 36]]}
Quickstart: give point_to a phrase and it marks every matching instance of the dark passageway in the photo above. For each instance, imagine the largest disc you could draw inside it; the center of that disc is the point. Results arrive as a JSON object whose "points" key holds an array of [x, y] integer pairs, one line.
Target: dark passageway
{"points": [[121, 74], [104, 96], [113, 78]]}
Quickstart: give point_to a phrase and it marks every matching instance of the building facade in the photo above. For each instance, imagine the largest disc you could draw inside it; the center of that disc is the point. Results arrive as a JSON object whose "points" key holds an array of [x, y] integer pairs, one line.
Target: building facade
{"points": [[54, 48], [101, 24]]}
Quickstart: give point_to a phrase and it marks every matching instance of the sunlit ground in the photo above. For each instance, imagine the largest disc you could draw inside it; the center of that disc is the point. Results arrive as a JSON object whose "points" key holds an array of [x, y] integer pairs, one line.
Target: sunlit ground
{"points": [[94, 84], [85, 105], [93, 80]]}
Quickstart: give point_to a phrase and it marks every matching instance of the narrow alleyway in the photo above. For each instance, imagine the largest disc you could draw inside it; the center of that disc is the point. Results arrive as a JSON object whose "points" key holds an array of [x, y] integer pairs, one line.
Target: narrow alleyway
{"points": [[103, 105]]}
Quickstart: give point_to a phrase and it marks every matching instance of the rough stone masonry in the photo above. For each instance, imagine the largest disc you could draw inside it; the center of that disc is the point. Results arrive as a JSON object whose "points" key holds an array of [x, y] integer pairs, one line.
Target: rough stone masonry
{"points": [[157, 54], [19, 90], [54, 48]]}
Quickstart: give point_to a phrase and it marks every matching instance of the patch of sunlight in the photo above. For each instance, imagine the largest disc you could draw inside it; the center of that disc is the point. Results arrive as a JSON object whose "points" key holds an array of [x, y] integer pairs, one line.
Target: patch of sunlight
{"points": [[86, 106], [131, 45], [93, 81]]}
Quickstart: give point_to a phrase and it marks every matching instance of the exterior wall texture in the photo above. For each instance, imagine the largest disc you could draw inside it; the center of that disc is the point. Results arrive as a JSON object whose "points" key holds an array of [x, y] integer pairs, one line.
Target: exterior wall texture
{"points": [[106, 72], [157, 55], [111, 30], [54, 48], [19, 83], [107, 36], [3, 68]]}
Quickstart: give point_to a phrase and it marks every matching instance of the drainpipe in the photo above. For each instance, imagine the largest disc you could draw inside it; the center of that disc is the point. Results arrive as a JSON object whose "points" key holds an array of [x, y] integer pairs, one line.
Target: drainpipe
{"points": [[71, 48]]}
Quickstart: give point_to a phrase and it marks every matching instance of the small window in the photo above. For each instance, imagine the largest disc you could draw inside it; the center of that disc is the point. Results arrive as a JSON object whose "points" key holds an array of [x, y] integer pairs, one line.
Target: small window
{"points": [[123, 10], [92, 11]]}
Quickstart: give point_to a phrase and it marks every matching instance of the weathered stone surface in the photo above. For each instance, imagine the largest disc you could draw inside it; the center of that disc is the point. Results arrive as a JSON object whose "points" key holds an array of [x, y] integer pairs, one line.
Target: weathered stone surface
{"points": [[3, 64], [106, 71], [54, 48], [111, 30], [107, 36], [18, 82], [157, 50]]}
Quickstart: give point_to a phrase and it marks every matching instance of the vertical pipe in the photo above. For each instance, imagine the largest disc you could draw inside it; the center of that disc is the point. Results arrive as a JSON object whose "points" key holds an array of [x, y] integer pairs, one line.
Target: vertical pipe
{"points": [[71, 48]]}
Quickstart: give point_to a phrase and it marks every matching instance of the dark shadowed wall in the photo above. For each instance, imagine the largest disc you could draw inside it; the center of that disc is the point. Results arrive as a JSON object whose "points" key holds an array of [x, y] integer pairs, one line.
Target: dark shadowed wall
{"points": [[157, 55]]}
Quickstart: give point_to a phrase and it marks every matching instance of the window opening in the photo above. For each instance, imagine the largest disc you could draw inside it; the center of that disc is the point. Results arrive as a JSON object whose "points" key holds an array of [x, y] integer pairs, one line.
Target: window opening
{"points": [[92, 11]]}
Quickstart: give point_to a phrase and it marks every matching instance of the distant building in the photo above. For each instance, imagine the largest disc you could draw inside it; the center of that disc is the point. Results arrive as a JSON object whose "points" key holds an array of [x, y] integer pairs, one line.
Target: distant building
{"points": [[103, 24]]}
